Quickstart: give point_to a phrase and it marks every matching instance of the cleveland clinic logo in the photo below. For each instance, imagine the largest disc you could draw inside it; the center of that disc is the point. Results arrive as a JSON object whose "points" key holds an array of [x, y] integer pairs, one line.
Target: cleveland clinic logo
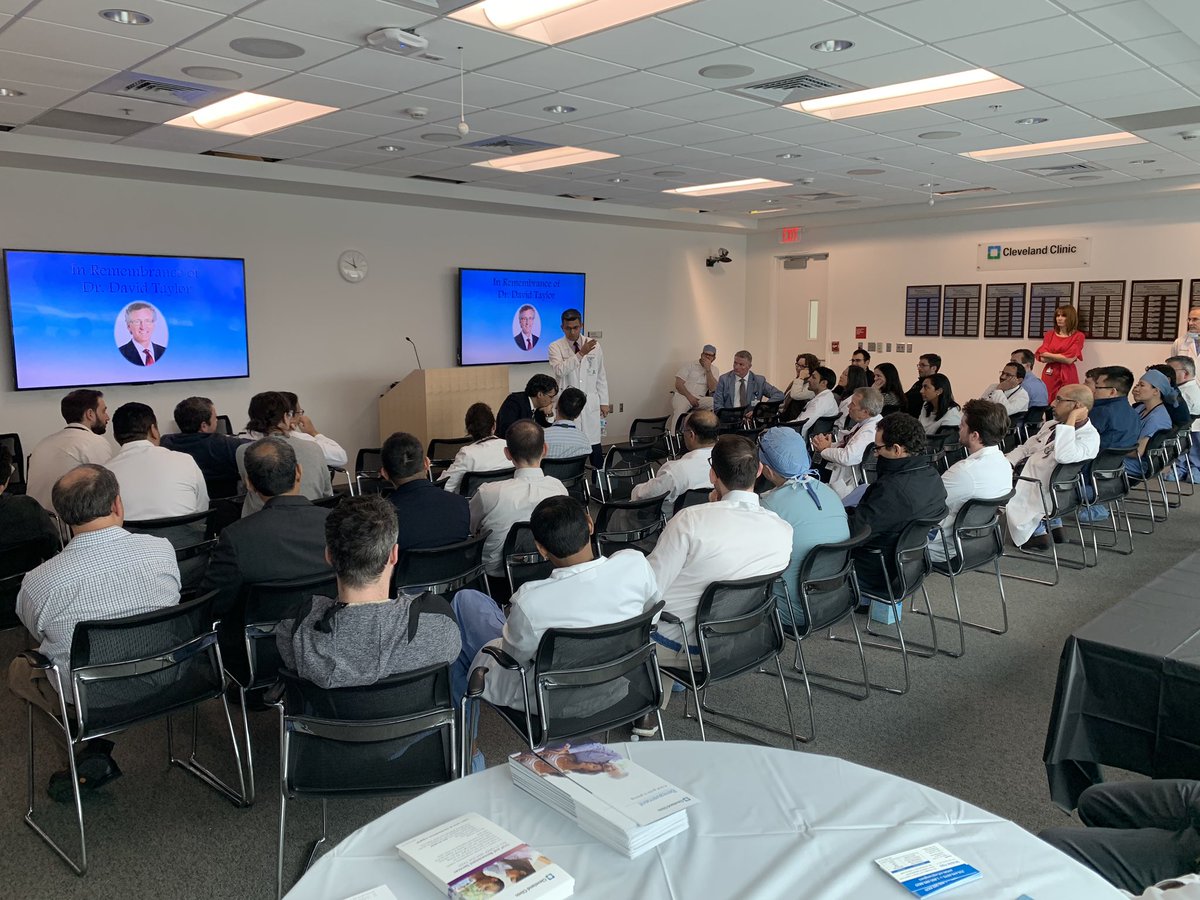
{"points": [[993, 251]]}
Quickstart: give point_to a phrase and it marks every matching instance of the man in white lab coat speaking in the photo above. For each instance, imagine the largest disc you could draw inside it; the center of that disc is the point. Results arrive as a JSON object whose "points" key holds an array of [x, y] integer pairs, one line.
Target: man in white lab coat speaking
{"points": [[578, 362]]}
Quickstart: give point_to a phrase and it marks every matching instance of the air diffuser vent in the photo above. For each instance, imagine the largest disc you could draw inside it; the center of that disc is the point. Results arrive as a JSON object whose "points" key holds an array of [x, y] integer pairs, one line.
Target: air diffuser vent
{"points": [[506, 145], [794, 88], [435, 178], [161, 90], [1068, 169]]}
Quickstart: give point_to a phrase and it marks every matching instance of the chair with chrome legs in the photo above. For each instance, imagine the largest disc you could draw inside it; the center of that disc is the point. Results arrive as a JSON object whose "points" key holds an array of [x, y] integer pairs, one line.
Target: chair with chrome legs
{"points": [[738, 630], [1066, 497], [128, 671], [1154, 460], [1107, 488], [398, 735]]}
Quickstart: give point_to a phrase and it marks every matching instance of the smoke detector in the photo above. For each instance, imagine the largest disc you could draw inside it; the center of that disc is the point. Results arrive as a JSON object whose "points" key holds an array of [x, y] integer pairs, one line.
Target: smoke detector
{"points": [[397, 40]]}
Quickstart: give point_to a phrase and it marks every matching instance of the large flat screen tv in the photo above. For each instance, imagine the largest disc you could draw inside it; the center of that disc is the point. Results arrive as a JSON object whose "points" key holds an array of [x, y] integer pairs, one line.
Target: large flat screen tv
{"points": [[500, 308], [83, 319]]}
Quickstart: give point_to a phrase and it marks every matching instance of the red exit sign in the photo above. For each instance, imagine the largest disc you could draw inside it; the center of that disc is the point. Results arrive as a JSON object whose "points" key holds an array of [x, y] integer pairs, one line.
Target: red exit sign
{"points": [[789, 235]]}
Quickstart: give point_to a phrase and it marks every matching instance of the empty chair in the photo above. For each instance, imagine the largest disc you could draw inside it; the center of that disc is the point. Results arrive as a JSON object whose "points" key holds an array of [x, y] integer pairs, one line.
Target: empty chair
{"points": [[522, 561], [732, 419], [367, 477], [765, 413], [572, 472], [628, 524], [472, 480], [692, 497], [625, 466], [16, 483], [441, 452], [651, 435], [442, 570]]}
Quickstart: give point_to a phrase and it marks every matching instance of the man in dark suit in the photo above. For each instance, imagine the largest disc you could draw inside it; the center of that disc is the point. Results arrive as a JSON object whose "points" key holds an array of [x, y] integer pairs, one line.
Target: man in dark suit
{"points": [[526, 339], [535, 402], [428, 515], [283, 541], [140, 319]]}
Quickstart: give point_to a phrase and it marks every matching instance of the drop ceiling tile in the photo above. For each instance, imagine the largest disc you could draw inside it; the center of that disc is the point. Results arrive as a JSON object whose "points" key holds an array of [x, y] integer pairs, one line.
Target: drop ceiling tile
{"points": [[13, 6], [315, 136], [922, 117], [403, 167], [1047, 38], [347, 157], [171, 22], [268, 146], [315, 164], [980, 107], [316, 49], [555, 69], [471, 174], [687, 156], [361, 123], [496, 122], [1188, 73], [939, 20], [481, 91], [862, 146], [38, 95], [396, 105], [1063, 123], [764, 67], [67, 134], [172, 63], [811, 130], [691, 134], [973, 138], [1144, 81], [646, 43], [325, 91], [222, 6], [481, 46], [632, 121], [870, 39], [748, 143], [1108, 59], [453, 157], [536, 107], [707, 106], [377, 68], [1165, 49], [12, 114], [765, 119], [755, 19], [122, 107], [407, 145], [1110, 107], [637, 89], [347, 20], [571, 135], [181, 140], [1128, 21], [904, 65], [632, 147], [76, 45], [51, 72]]}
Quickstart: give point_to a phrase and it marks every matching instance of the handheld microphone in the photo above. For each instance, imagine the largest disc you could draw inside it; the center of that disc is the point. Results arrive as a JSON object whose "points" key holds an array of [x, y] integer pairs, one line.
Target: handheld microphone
{"points": [[415, 351]]}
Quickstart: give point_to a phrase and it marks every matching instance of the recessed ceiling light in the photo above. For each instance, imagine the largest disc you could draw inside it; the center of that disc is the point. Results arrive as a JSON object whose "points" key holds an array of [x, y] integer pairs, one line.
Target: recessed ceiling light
{"points": [[441, 137], [249, 114], [125, 17], [552, 21], [558, 108], [906, 95], [11, 92], [770, 201], [929, 184], [553, 158], [1085, 177], [617, 180], [939, 135], [266, 48], [1032, 120], [211, 73], [834, 46], [759, 212], [865, 172], [1048, 148], [669, 173], [1141, 162], [390, 148], [726, 70], [788, 155], [727, 187]]}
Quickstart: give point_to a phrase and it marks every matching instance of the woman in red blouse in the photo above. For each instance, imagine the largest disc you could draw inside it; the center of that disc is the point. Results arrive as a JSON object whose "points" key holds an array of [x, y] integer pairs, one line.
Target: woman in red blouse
{"points": [[1061, 348]]}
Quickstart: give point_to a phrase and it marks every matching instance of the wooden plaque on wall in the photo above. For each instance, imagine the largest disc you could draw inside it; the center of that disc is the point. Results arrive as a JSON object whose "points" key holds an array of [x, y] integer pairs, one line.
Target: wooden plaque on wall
{"points": [[1004, 311], [960, 310], [1154, 310], [1101, 309], [1044, 298], [922, 310]]}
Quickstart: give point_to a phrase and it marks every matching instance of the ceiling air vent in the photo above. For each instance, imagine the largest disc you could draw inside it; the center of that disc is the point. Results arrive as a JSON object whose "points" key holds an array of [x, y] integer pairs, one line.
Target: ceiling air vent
{"points": [[509, 146], [88, 123], [1068, 169], [820, 195], [7, 127], [435, 178], [161, 90], [579, 197], [962, 191], [794, 88], [227, 154]]}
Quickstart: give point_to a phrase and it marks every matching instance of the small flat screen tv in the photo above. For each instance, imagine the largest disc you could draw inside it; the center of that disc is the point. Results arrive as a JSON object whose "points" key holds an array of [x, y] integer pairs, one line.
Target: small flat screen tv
{"points": [[81, 319], [502, 310]]}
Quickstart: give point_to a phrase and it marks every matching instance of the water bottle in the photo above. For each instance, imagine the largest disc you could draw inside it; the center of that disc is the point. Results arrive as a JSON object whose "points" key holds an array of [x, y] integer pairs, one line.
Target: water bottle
{"points": [[603, 428]]}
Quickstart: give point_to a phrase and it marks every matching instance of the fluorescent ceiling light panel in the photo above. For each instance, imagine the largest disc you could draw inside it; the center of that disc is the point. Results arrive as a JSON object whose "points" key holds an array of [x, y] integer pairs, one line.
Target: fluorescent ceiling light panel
{"points": [[553, 21], [545, 159], [248, 114], [923, 92], [1049, 148], [728, 187]]}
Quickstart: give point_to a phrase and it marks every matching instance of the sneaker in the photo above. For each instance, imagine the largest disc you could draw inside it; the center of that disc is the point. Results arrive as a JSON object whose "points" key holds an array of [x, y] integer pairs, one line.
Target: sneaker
{"points": [[646, 726]]}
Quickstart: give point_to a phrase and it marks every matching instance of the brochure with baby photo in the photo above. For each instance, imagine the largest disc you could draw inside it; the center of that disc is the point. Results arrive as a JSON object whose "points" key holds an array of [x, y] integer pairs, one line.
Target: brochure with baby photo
{"points": [[928, 870], [472, 858]]}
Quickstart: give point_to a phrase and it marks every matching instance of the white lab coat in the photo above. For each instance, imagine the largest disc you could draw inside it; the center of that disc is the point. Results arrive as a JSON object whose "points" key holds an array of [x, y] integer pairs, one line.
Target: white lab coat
{"points": [[1071, 445], [586, 373]]}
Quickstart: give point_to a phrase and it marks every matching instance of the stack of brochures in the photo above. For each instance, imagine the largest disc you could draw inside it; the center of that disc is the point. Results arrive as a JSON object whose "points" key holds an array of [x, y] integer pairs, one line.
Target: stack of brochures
{"points": [[609, 797], [471, 858], [928, 870]]}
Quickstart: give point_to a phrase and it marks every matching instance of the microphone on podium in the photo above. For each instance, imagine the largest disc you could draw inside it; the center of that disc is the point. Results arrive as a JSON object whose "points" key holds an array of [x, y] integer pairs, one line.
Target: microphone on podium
{"points": [[415, 351]]}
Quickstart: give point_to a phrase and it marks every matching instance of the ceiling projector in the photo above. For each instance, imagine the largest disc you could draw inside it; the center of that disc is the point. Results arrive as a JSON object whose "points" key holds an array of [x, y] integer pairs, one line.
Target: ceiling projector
{"points": [[397, 40]]}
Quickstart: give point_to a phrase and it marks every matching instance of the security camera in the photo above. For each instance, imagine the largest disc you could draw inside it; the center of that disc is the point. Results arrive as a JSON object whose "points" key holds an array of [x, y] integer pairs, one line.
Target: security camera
{"points": [[721, 256]]}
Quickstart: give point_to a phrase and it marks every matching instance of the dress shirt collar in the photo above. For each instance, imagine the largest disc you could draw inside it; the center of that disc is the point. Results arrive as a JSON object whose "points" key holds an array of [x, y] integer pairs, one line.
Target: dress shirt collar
{"points": [[528, 473], [136, 447], [564, 424], [568, 571], [742, 498], [79, 426], [96, 538], [287, 500], [984, 451]]}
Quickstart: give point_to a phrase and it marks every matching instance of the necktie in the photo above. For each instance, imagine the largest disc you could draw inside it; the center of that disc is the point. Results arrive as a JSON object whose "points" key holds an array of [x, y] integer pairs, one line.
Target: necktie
{"points": [[741, 392], [149, 358], [575, 345], [528, 344]]}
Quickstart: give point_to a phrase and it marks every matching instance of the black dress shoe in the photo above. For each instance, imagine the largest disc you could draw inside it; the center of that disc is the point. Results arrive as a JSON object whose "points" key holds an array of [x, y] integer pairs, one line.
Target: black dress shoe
{"points": [[95, 769], [1037, 542], [1058, 535]]}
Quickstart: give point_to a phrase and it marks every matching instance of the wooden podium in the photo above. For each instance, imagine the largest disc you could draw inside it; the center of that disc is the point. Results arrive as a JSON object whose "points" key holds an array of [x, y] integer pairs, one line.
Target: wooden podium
{"points": [[431, 403]]}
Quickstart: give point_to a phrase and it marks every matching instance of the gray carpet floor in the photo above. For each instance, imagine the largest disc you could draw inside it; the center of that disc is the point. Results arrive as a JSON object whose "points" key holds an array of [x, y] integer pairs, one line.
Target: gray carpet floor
{"points": [[974, 727]]}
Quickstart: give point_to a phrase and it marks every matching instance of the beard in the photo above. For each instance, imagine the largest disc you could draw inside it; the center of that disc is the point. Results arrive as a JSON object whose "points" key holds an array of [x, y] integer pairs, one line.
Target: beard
{"points": [[99, 428]]}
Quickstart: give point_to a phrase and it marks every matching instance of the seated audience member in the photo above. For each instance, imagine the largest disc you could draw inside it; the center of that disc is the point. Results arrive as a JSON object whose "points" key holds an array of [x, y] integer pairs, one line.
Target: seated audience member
{"points": [[853, 378], [270, 416], [565, 438], [484, 454], [215, 454], [21, 517], [984, 475], [823, 404], [104, 572], [1189, 390], [887, 382], [690, 470], [741, 387], [927, 364], [694, 384], [363, 634], [283, 541], [1067, 438], [1178, 410], [730, 538], [907, 486], [499, 505], [799, 498], [303, 429], [82, 441], [581, 592], [427, 515], [798, 393], [1137, 834], [1112, 416], [1153, 397], [156, 483], [1034, 386], [1009, 391], [1189, 343], [845, 454], [535, 402], [861, 358], [939, 409]]}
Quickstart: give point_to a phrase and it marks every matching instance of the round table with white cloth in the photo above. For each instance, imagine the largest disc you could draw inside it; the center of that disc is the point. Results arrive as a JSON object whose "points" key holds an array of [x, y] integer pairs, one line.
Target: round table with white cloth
{"points": [[770, 824]]}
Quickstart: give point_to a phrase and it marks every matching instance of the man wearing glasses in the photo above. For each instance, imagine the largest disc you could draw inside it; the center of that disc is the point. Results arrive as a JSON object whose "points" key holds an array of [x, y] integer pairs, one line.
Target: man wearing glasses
{"points": [[927, 364], [1009, 391]]}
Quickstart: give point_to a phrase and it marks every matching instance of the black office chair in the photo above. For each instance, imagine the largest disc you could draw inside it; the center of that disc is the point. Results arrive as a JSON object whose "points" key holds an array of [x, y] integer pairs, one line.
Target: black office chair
{"points": [[126, 672], [1066, 496], [1108, 480], [193, 538], [628, 524], [329, 502], [572, 472], [441, 452], [692, 497], [367, 466], [584, 681], [16, 483], [224, 426], [625, 467], [869, 466], [248, 648], [732, 419], [823, 425], [15, 561], [522, 561], [651, 435], [737, 631], [398, 735], [442, 570], [765, 414], [1032, 422], [222, 488], [471, 481]]}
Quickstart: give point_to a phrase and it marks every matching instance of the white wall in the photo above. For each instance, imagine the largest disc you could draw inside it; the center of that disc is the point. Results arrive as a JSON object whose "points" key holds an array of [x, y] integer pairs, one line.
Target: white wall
{"points": [[870, 265], [340, 345]]}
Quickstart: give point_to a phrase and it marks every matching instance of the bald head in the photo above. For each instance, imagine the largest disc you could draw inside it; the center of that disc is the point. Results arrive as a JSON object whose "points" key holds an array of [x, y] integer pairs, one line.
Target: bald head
{"points": [[1079, 393], [700, 429], [88, 498]]}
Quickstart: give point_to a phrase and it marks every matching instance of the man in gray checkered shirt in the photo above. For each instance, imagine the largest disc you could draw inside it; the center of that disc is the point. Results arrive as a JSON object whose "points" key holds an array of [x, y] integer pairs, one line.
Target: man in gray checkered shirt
{"points": [[103, 573]]}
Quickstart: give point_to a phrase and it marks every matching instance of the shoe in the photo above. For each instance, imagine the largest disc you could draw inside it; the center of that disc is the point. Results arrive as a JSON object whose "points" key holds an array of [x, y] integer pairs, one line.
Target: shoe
{"points": [[677, 687], [862, 610], [1037, 542], [646, 726], [94, 768], [1058, 535], [1095, 513]]}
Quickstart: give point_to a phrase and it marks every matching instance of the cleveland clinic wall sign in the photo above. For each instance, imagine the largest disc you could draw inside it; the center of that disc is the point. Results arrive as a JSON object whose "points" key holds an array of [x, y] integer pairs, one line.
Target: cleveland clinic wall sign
{"points": [[1058, 253]]}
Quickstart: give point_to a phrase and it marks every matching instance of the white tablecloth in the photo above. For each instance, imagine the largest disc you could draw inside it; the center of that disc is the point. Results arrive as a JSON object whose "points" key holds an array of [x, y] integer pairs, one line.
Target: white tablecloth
{"points": [[769, 824]]}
